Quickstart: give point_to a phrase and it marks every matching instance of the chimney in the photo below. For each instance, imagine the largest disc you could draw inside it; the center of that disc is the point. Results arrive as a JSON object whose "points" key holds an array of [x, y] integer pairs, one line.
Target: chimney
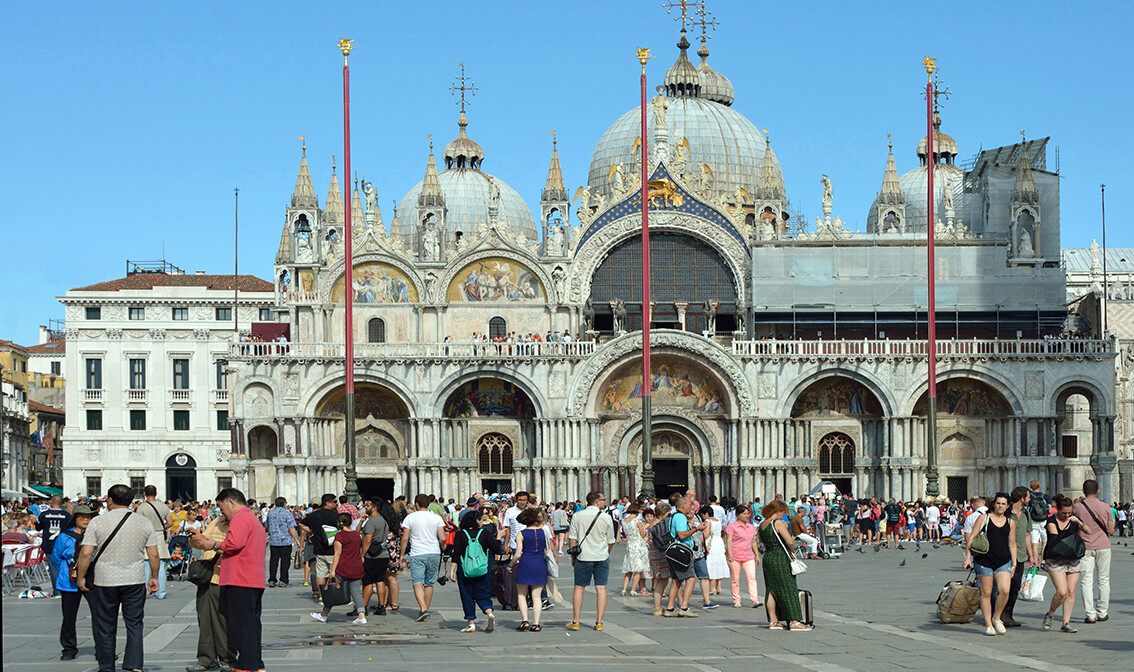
{"points": [[44, 335], [200, 272]]}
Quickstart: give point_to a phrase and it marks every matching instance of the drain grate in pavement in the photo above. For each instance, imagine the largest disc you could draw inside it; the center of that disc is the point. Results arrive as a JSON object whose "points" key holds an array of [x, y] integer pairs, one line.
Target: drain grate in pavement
{"points": [[351, 639]]}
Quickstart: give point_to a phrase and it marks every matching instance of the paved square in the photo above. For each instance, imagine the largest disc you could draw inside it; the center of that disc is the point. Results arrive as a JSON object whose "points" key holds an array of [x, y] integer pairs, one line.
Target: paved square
{"points": [[872, 616]]}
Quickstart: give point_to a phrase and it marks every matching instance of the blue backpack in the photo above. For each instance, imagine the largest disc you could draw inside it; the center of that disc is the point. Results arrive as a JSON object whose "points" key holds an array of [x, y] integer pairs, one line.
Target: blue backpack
{"points": [[474, 561]]}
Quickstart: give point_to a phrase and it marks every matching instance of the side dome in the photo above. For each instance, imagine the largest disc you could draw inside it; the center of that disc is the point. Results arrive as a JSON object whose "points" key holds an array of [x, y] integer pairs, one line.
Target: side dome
{"points": [[714, 86], [718, 135], [467, 194], [913, 186]]}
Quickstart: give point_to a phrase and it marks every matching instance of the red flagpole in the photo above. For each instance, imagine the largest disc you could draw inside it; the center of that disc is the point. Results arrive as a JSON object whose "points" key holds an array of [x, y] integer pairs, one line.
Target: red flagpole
{"points": [[647, 379], [931, 272], [351, 490]]}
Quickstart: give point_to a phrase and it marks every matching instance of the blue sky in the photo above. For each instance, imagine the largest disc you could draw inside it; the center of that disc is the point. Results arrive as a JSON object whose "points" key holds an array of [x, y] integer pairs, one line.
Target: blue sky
{"points": [[127, 125]]}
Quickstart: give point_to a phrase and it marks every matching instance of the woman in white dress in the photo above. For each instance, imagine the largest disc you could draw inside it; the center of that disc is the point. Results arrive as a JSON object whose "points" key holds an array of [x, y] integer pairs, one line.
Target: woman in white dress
{"points": [[718, 564], [637, 560]]}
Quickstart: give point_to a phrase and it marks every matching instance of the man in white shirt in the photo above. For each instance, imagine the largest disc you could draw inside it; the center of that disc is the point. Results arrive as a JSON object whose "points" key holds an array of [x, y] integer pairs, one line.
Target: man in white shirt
{"points": [[593, 532], [933, 521], [424, 532], [512, 528]]}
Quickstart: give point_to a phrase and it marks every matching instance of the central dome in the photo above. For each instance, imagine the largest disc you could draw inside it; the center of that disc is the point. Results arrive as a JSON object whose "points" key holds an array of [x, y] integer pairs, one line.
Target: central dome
{"points": [[467, 193]]}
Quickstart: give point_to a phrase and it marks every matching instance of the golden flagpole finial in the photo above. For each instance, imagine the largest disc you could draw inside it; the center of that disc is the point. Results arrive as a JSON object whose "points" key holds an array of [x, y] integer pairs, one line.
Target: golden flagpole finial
{"points": [[303, 143], [554, 140], [1023, 137], [643, 56], [930, 65], [345, 46]]}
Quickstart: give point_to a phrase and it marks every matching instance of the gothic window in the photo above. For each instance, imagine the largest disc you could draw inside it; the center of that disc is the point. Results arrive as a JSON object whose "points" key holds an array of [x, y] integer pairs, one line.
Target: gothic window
{"points": [[836, 454], [494, 454], [376, 330], [497, 327]]}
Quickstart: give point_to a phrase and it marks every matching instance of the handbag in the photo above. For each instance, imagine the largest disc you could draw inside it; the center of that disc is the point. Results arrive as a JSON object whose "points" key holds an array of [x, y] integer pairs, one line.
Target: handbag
{"points": [[797, 566], [335, 592], [677, 552], [200, 573], [551, 562], [979, 545], [578, 548], [1069, 547], [1032, 588]]}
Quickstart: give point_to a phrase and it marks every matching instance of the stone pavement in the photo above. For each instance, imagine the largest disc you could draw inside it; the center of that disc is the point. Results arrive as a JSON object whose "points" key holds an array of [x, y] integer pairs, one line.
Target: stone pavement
{"points": [[872, 616]]}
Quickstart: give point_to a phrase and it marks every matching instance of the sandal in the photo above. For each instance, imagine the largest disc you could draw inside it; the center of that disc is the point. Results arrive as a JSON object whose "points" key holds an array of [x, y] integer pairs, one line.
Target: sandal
{"points": [[524, 626], [536, 628], [471, 627], [392, 607], [622, 594], [799, 627]]}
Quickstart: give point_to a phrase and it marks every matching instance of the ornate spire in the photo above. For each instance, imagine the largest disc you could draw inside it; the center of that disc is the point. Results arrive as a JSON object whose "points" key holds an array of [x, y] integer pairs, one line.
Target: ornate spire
{"points": [[304, 194], [333, 212], [357, 219], [891, 193], [431, 194], [771, 183], [553, 189], [682, 78], [1025, 191], [463, 152]]}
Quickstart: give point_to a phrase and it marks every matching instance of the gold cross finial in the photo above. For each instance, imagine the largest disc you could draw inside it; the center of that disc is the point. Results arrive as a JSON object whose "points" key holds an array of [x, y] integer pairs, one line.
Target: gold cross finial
{"points": [[333, 166], [345, 46], [303, 142], [684, 18], [470, 87], [706, 21], [554, 140], [890, 140], [430, 136], [1023, 137]]}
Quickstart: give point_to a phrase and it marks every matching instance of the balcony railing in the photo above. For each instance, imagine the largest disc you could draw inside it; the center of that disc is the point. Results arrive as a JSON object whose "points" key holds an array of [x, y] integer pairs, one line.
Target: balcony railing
{"points": [[282, 351], [962, 349], [92, 395], [137, 396], [220, 396], [180, 396], [302, 297]]}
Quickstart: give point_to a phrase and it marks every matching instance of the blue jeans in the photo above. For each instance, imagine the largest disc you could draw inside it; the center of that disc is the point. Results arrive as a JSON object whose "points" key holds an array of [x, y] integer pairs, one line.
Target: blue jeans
{"points": [[160, 594], [423, 568], [475, 592]]}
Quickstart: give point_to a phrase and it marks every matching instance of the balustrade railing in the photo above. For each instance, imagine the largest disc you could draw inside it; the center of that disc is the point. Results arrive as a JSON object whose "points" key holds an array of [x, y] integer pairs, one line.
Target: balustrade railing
{"points": [[574, 349], [946, 348], [136, 395], [180, 396]]}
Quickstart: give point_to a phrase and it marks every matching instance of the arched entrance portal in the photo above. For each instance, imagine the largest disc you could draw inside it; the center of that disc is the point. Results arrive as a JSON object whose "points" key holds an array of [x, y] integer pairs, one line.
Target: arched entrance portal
{"points": [[671, 455], [181, 477]]}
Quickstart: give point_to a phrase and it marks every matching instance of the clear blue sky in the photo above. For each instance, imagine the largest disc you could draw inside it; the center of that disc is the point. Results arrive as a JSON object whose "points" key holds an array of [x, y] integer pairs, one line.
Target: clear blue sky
{"points": [[127, 125]]}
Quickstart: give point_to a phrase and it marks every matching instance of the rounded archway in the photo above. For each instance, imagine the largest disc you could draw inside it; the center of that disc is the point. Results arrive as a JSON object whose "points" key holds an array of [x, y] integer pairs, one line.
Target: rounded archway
{"points": [[675, 382], [370, 400], [263, 444], [181, 477], [836, 396], [965, 397], [488, 397]]}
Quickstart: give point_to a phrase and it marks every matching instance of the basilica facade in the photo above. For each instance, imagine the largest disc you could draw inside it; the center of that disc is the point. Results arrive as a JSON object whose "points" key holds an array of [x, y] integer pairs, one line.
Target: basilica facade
{"points": [[783, 352]]}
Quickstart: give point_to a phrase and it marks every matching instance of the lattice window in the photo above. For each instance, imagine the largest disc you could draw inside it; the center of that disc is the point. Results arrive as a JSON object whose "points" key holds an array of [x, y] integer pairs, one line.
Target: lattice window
{"points": [[376, 330], [494, 454], [836, 454], [497, 327]]}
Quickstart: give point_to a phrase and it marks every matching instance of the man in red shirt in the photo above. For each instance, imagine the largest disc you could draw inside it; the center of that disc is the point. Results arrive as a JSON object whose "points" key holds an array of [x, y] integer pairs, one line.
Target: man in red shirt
{"points": [[346, 507], [241, 577]]}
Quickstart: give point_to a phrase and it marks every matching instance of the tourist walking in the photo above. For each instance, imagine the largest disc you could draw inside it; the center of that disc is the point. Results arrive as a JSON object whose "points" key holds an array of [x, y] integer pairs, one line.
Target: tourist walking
{"points": [[1063, 558], [742, 553], [241, 577], [684, 577], [636, 562], [281, 536], [532, 544], [1096, 562], [782, 598], [375, 556], [701, 544], [423, 532], [659, 566], [995, 565], [389, 598], [346, 568], [592, 532], [322, 524], [212, 626], [51, 522], [118, 543], [472, 570], [63, 556], [163, 521], [1025, 549]]}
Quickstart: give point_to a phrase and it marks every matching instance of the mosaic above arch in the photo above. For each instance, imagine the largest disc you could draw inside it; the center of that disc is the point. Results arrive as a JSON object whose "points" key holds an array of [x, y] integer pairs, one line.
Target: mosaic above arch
{"points": [[369, 400], [486, 397], [376, 282], [494, 279], [964, 396], [675, 383], [836, 396]]}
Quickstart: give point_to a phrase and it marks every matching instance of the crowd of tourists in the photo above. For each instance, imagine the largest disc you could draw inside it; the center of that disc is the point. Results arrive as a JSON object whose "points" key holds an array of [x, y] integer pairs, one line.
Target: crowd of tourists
{"points": [[511, 550]]}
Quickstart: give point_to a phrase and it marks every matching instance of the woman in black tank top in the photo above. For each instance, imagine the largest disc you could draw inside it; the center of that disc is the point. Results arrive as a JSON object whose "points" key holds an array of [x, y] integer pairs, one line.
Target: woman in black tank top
{"points": [[997, 564]]}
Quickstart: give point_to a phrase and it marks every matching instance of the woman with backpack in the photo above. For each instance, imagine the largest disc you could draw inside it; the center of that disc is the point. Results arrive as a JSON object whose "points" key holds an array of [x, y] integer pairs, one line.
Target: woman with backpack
{"points": [[474, 546], [659, 566], [531, 569]]}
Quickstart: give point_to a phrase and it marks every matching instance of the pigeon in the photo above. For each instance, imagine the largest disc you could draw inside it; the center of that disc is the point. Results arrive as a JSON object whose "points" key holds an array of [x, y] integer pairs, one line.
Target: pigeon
{"points": [[917, 549], [902, 563], [876, 549], [901, 548], [935, 547], [924, 556], [860, 550]]}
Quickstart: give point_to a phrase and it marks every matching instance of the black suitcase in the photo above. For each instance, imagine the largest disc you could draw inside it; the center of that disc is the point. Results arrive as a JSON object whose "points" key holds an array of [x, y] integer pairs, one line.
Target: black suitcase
{"points": [[504, 587], [807, 607]]}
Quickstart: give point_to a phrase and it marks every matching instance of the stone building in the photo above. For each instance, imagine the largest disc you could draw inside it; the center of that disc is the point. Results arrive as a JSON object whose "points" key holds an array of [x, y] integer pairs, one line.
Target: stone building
{"points": [[783, 352]]}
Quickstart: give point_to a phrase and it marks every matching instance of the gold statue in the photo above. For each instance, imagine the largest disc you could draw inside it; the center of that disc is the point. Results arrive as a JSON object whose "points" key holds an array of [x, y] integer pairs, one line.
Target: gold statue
{"points": [[930, 65], [345, 46], [643, 56]]}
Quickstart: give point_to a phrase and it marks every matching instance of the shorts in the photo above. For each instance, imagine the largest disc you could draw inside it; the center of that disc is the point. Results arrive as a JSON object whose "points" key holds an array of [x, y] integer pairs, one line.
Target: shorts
{"points": [[865, 526], [588, 570], [1039, 533], [931, 524], [678, 573], [423, 568], [1064, 566], [322, 567], [981, 570], [374, 570], [892, 529], [701, 568]]}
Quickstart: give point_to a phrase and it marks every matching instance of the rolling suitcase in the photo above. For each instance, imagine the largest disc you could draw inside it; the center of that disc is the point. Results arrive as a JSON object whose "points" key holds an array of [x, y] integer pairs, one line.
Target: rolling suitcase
{"points": [[504, 587], [807, 607], [958, 601]]}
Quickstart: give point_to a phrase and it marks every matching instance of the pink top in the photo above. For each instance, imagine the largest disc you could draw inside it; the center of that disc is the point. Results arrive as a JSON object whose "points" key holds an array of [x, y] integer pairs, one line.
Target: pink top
{"points": [[741, 536], [243, 549], [1097, 539]]}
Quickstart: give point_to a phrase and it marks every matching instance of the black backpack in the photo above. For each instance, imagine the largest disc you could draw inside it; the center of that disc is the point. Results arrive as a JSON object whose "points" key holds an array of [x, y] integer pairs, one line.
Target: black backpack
{"points": [[1038, 510]]}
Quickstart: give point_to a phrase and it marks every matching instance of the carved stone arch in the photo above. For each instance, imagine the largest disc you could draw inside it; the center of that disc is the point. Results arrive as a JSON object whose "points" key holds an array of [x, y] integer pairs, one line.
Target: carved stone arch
{"points": [[250, 381], [592, 253], [1004, 387], [332, 273], [512, 253], [584, 393], [448, 385], [704, 439], [1099, 400], [256, 447], [868, 380], [314, 393]]}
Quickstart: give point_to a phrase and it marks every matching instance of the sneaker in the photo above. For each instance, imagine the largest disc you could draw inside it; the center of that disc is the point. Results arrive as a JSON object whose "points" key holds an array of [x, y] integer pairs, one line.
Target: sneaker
{"points": [[711, 605], [548, 605], [757, 604], [1068, 629], [737, 605], [318, 617], [282, 584], [67, 656], [361, 620], [573, 625], [990, 631], [380, 610], [423, 616], [491, 623], [999, 626], [670, 613], [1103, 619], [1047, 618], [1010, 622], [685, 613], [598, 626], [271, 584]]}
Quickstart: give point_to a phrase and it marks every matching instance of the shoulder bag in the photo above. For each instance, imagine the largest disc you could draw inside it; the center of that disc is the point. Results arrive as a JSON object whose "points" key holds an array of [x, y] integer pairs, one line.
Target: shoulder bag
{"points": [[677, 552], [1105, 531], [797, 566], [94, 560], [549, 559], [1069, 547], [979, 545], [578, 548], [200, 572]]}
